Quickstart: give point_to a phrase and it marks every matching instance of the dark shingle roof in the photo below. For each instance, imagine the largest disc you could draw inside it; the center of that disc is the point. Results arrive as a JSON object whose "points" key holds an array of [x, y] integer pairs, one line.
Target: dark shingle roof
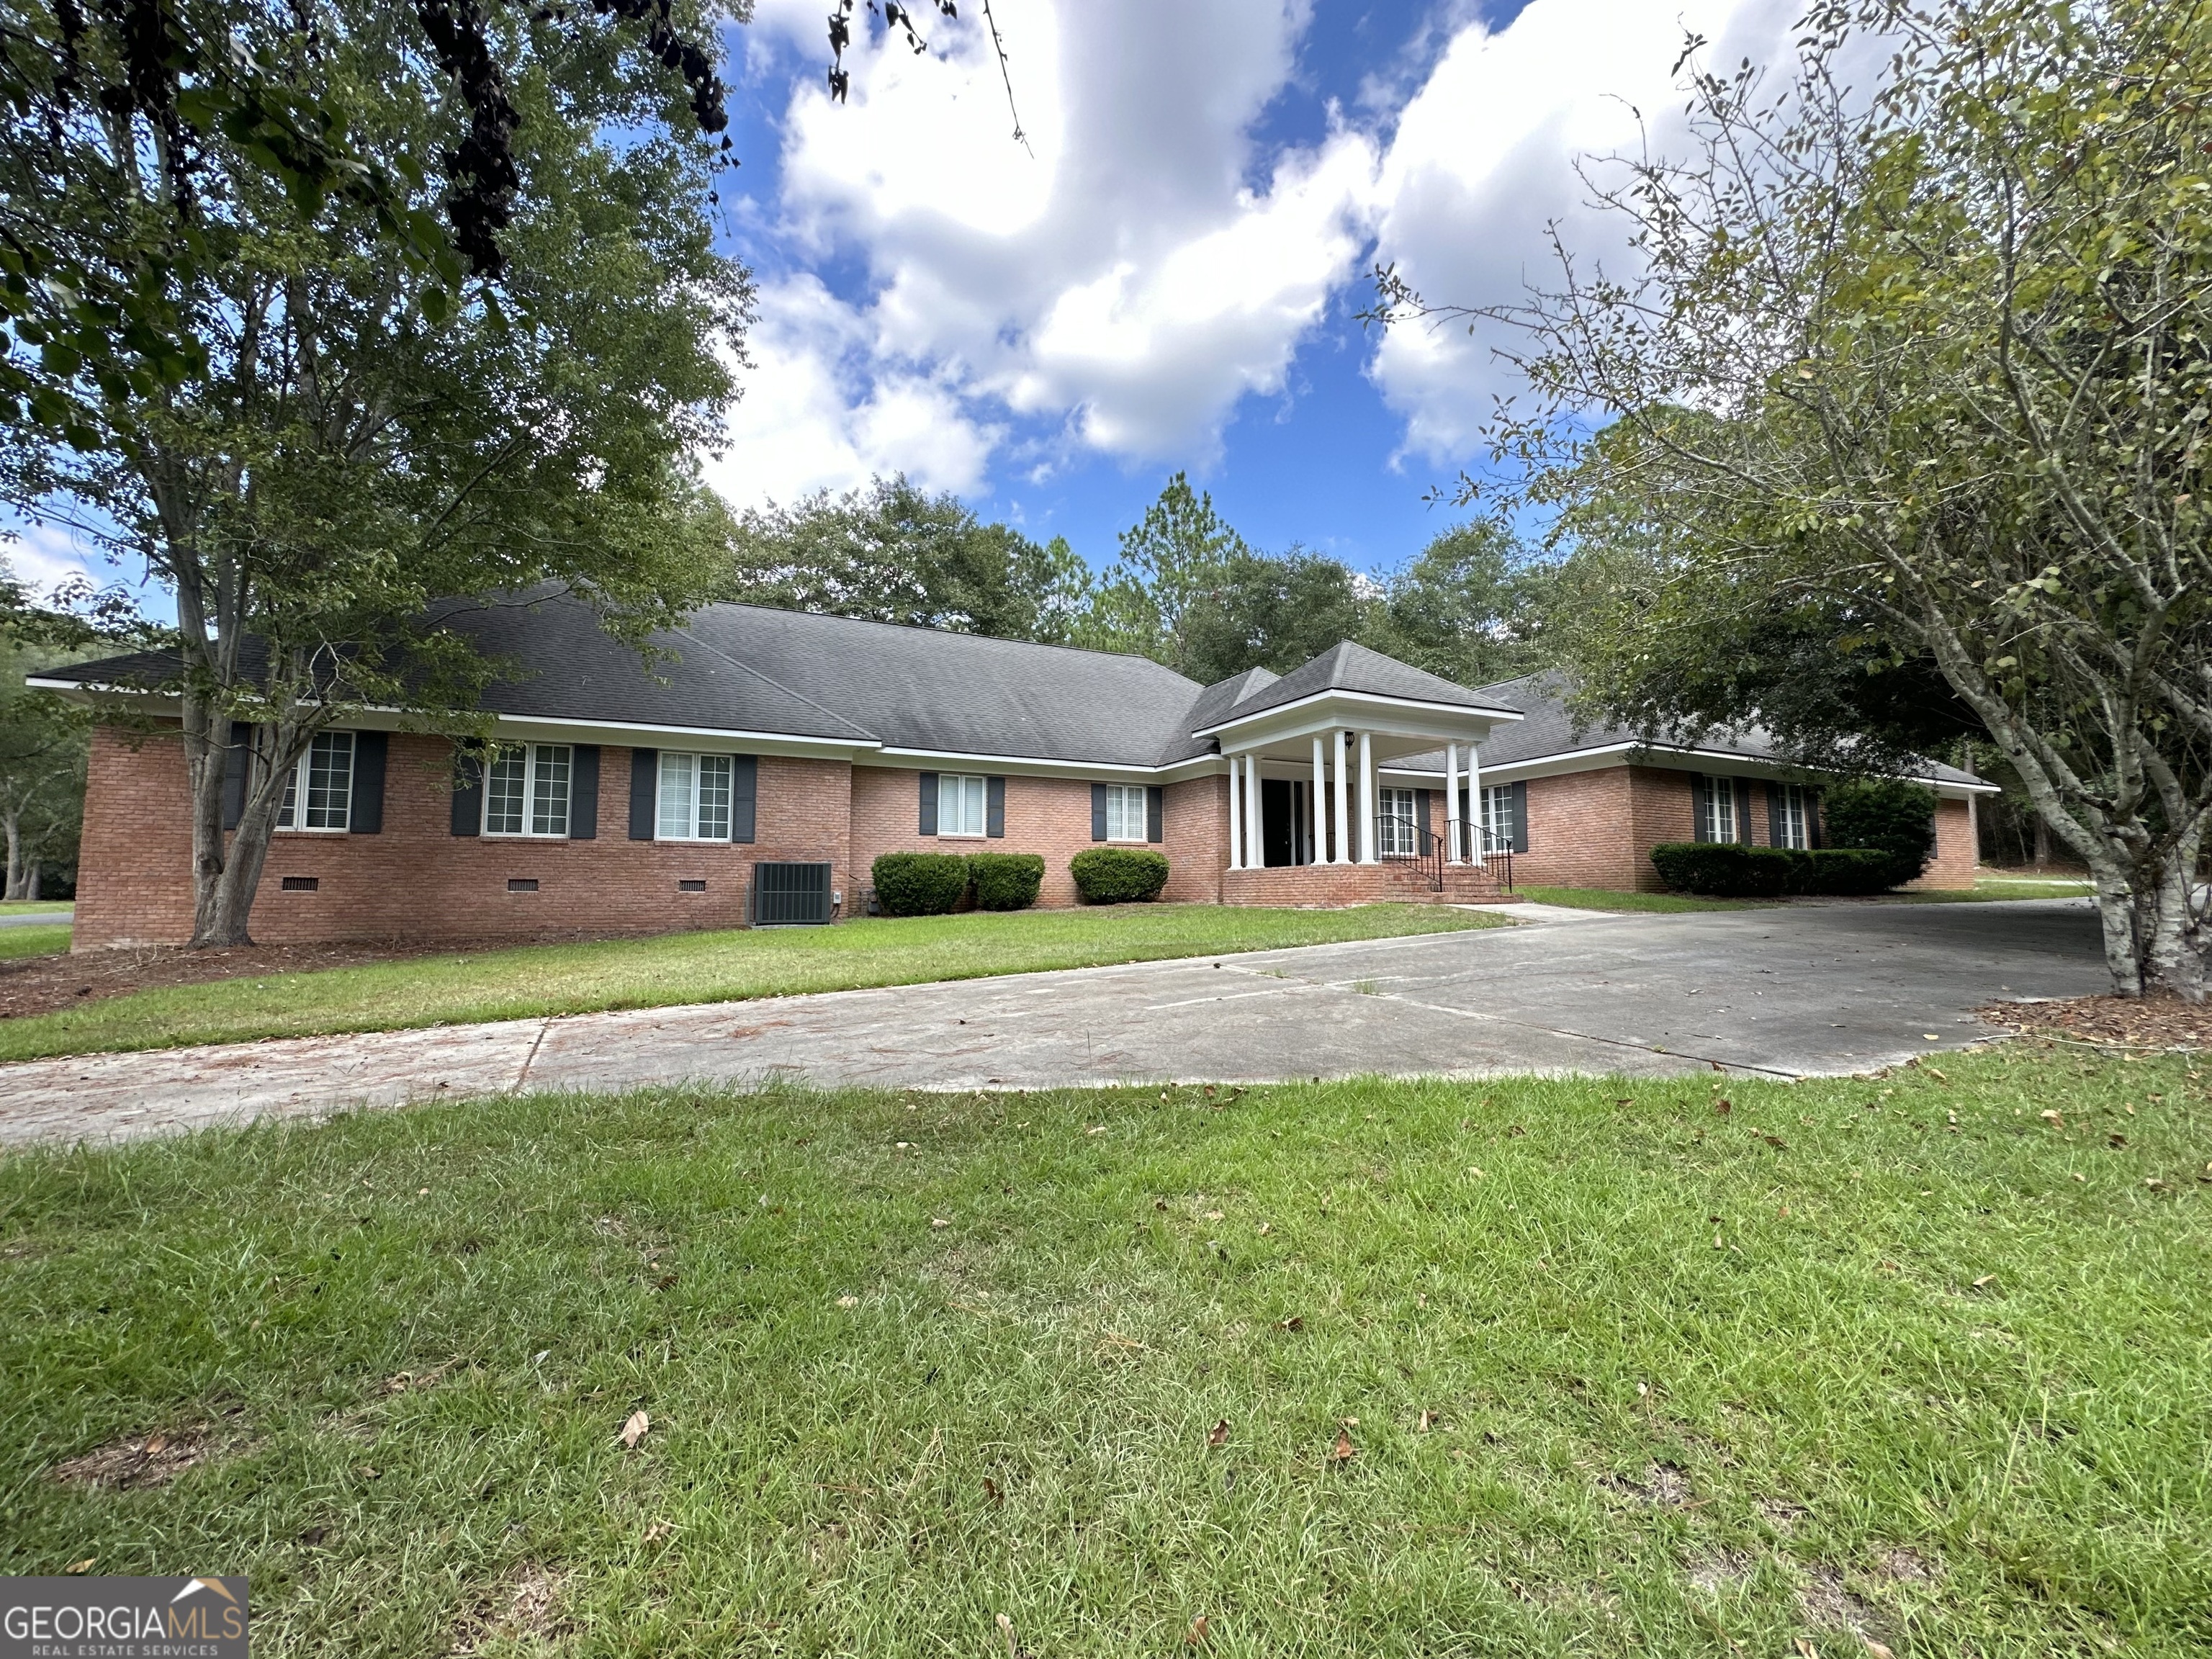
{"points": [[1213, 707], [1548, 728], [1348, 667]]}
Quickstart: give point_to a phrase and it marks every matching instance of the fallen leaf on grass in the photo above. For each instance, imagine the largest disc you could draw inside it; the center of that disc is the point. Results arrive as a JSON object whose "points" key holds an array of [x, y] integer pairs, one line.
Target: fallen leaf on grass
{"points": [[1265, 1229], [1473, 1171], [77, 1568], [1722, 1107], [2052, 1118], [993, 1491], [634, 1429], [937, 1224], [1218, 1434], [1214, 1215], [1295, 1322], [849, 1301], [1197, 1637], [1805, 1649], [1985, 1281], [1427, 1421], [1342, 1452], [1877, 1649]]}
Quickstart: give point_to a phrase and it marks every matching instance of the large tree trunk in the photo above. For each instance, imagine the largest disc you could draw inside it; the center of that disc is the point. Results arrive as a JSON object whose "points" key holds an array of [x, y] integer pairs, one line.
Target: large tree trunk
{"points": [[2041, 843], [226, 865], [14, 889]]}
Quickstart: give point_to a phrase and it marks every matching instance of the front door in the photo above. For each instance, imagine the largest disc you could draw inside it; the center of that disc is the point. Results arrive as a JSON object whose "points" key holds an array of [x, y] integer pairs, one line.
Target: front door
{"points": [[1279, 801]]}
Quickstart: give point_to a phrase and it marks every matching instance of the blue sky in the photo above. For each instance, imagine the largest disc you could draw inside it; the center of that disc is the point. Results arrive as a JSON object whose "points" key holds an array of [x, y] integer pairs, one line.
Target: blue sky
{"points": [[1168, 277], [1171, 280]]}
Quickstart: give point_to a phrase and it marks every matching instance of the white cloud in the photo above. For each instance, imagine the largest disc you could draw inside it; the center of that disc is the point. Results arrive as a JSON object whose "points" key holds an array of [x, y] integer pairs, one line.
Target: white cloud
{"points": [[43, 555], [1149, 265], [1482, 164]]}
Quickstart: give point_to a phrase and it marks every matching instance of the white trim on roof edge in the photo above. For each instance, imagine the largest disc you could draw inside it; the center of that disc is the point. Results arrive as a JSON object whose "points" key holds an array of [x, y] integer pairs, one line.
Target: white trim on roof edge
{"points": [[922, 760], [1670, 756], [1495, 716]]}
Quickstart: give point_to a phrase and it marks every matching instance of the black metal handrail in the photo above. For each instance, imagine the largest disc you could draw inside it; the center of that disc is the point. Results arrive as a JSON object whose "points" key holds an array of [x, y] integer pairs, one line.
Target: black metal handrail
{"points": [[1391, 832]]}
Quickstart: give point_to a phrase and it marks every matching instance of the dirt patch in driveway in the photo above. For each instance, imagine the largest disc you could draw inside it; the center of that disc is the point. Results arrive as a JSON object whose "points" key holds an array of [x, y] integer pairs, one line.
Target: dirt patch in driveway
{"points": [[2162, 1021]]}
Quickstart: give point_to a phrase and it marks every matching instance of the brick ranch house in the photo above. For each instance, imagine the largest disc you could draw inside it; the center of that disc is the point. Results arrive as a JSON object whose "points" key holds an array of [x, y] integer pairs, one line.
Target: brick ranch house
{"points": [[759, 761]]}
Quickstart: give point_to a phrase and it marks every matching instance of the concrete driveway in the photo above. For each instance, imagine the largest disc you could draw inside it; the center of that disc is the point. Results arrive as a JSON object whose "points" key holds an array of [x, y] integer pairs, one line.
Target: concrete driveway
{"points": [[1806, 991]]}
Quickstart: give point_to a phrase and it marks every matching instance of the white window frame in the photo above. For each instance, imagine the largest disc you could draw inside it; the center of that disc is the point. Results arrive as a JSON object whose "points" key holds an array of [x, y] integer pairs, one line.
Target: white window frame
{"points": [[685, 814], [954, 797], [1718, 797], [1121, 800], [299, 788], [1394, 835], [530, 753], [1497, 818], [1797, 815]]}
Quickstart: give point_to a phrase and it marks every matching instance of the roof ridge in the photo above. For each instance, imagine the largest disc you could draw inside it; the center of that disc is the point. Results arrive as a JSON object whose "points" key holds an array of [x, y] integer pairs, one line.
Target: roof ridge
{"points": [[946, 633]]}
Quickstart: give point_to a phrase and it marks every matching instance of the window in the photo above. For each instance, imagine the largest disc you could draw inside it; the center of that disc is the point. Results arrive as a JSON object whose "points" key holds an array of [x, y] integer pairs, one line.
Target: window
{"points": [[1394, 833], [526, 790], [1497, 817], [695, 797], [324, 779], [1717, 808], [1125, 811], [960, 806], [1792, 823]]}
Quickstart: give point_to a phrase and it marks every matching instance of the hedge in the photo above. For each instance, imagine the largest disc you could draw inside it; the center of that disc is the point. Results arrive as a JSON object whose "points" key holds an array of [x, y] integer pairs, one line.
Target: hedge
{"points": [[1118, 875], [1006, 881], [920, 884], [1727, 870], [1895, 817]]}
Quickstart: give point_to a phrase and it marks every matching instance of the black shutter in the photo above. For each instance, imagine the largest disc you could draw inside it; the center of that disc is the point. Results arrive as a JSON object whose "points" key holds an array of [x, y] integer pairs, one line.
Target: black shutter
{"points": [[1778, 831], [1520, 818], [1098, 811], [1697, 830], [994, 807], [1156, 814], [744, 797], [644, 793], [1743, 811], [365, 812], [584, 792], [237, 755], [929, 803], [468, 793], [1421, 816], [1812, 837]]}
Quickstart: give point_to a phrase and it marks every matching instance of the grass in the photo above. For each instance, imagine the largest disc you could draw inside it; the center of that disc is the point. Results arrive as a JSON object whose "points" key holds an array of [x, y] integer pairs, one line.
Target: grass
{"points": [[685, 967], [1605, 898], [1998, 889], [33, 941], [29, 907], [1696, 1384]]}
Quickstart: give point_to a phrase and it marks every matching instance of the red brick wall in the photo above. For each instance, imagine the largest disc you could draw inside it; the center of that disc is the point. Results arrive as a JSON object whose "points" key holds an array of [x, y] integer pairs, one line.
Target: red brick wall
{"points": [[1952, 867], [417, 879], [1051, 817]]}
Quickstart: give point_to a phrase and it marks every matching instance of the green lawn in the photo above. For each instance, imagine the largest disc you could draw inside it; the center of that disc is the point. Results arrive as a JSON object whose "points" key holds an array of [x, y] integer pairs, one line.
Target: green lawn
{"points": [[681, 968], [1998, 889], [1657, 1381], [26, 907], [33, 941], [1606, 898]]}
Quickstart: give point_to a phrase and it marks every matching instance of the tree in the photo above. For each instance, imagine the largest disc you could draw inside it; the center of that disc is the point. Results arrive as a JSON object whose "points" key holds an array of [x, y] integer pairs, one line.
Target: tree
{"points": [[43, 743], [1471, 607], [892, 552], [1168, 558], [1265, 610], [341, 447], [1927, 371]]}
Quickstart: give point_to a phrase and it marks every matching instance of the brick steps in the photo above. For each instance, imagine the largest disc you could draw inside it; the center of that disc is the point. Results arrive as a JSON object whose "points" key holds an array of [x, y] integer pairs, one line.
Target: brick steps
{"points": [[1322, 886]]}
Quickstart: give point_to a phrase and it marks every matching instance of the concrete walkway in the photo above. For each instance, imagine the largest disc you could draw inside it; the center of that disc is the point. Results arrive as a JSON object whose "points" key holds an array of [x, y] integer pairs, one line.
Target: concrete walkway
{"points": [[1801, 992]]}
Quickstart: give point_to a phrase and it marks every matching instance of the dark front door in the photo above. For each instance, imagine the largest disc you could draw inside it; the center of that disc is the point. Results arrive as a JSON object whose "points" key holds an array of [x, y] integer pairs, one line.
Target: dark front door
{"points": [[1278, 799]]}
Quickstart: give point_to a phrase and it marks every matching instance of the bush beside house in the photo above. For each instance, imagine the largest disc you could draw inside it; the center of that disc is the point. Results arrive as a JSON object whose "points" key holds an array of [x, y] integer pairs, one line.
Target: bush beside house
{"points": [[1118, 875], [920, 884], [1006, 881], [1894, 817], [1726, 869]]}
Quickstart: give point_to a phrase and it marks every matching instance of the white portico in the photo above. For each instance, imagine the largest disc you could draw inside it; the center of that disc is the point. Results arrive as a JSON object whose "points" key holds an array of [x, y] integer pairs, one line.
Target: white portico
{"points": [[1303, 754]]}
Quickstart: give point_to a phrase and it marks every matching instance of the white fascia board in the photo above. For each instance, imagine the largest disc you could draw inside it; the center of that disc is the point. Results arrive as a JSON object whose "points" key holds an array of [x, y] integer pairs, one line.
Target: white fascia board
{"points": [[1672, 758], [1026, 766], [1363, 700], [525, 727]]}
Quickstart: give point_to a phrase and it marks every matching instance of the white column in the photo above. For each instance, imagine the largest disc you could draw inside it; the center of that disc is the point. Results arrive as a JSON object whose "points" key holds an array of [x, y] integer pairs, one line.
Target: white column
{"points": [[1366, 799], [1236, 818], [1319, 808], [1255, 827], [1451, 802], [1342, 853], [1474, 801]]}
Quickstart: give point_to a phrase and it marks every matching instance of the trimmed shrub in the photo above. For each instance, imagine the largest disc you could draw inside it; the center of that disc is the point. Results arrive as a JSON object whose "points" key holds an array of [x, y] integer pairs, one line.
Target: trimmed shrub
{"points": [[1006, 881], [1118, 875], [920, 884], [1841, 871], [1893, 817], [1723, 869]]}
